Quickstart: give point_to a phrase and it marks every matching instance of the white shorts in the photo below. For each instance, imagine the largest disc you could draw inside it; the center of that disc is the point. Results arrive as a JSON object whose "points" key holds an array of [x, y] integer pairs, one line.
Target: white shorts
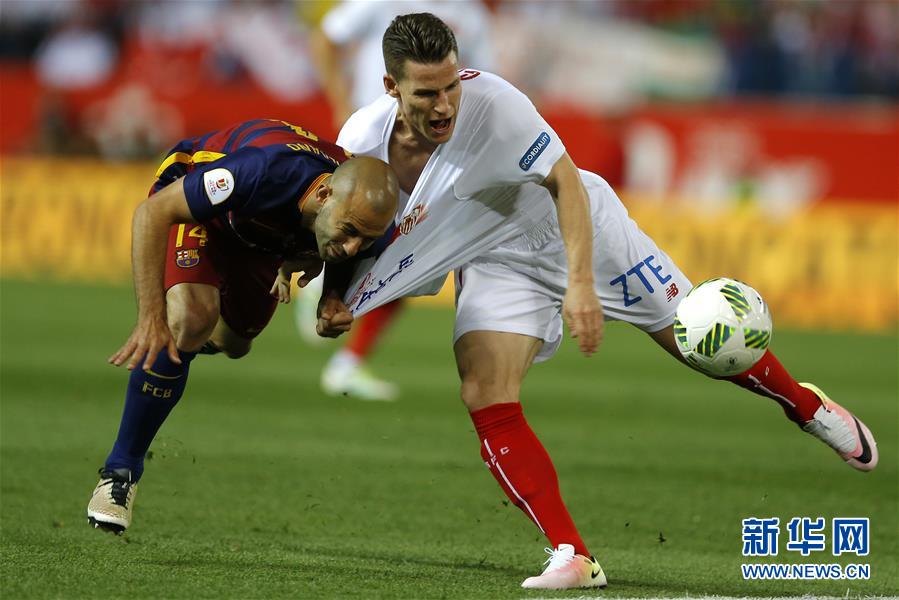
{"points": [[518, 286]]}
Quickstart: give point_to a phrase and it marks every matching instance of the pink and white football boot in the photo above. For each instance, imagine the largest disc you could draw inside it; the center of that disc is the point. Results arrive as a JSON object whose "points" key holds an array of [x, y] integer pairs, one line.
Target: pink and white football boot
{"points": [[567, 570], [842, 431]]}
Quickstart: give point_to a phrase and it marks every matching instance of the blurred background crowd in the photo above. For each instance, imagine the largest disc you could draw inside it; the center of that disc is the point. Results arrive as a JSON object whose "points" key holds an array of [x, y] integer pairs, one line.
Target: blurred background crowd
{"points": [[778, 106], [142, 58]]}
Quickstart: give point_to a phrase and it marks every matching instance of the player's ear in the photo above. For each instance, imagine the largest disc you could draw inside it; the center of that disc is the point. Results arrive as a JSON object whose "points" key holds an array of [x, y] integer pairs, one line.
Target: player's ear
{"points": [[323, 193], [390, 85]]}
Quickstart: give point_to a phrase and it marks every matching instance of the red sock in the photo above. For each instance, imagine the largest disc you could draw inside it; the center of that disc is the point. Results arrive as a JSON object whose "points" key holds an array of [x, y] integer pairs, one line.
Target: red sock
{"points": [[768, 378], [368, 329], [521, 466]]}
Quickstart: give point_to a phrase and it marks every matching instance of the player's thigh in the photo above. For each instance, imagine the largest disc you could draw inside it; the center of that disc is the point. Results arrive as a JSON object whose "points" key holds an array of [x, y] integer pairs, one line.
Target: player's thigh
{"points": [[505, 297], [492, 365], [635, 280], [192, 284]]}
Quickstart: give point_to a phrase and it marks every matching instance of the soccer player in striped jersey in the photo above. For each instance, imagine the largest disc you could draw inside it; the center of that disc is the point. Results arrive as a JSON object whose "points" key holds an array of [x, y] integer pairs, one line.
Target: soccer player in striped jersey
{"points": [[228, 211]]}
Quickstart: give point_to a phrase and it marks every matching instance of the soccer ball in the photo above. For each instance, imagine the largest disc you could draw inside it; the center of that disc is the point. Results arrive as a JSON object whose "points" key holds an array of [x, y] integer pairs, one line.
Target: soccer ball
{"points": [[722, 327]]}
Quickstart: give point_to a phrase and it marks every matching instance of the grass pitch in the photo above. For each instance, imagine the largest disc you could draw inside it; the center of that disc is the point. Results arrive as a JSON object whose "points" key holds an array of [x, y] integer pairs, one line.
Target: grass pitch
{"points": [[261, 487]]}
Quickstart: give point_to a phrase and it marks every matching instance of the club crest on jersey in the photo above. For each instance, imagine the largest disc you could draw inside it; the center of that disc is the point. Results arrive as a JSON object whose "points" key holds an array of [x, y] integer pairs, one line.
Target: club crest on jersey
{"points": [[187, 258], [415, 217], [534, 151], [219, 184]]}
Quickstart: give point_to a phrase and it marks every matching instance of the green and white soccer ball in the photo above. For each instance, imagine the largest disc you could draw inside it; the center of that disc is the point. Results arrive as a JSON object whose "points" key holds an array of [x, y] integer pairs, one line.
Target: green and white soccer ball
{"points": [[722, 327]]}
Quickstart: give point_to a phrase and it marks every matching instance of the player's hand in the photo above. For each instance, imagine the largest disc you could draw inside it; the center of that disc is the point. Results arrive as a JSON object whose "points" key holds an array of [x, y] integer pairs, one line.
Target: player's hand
{"points": [[583, 315], [281, 287], [308, 267], [334, 317], [150, 335]]}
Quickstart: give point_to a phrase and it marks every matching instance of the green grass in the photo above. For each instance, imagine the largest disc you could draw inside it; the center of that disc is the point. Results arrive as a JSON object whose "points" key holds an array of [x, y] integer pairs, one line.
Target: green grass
{"points": [[261, 487]]}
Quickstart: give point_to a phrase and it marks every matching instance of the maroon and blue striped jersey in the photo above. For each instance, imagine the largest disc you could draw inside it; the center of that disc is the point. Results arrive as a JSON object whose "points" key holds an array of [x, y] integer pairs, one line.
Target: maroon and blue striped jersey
{"points": [[254, 177]]}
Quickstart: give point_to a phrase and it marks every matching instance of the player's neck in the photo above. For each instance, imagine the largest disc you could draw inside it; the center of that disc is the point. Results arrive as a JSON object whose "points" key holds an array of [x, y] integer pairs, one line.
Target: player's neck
{"points": [[409, 139]]}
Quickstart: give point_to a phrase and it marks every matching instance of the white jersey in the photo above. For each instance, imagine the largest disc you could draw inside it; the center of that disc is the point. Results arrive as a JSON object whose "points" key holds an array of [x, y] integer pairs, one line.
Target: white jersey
{"points": [[476, 190]]}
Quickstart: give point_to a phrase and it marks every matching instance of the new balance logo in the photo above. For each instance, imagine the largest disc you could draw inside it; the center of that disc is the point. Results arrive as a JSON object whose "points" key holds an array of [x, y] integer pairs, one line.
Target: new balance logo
{"points": [[671, 292]]}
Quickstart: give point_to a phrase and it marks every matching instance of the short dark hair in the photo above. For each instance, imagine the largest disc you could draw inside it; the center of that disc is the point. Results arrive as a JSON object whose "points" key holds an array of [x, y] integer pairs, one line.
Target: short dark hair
{"points": [[419, 37]]}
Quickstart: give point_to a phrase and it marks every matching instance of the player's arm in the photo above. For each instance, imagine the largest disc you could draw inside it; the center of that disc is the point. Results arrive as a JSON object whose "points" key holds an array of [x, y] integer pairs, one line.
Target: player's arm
{"points": [[580, 307], [327, 57], [149, 237]]}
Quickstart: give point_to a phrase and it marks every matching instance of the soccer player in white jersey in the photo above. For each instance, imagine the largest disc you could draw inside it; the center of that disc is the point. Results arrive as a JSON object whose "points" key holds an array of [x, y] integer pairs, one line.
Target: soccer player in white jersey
{"points": [[469, 136], [350, 35]]}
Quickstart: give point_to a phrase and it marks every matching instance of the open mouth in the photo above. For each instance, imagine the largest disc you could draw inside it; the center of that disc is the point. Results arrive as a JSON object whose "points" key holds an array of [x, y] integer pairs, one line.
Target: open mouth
{"points": [[440, 126]]}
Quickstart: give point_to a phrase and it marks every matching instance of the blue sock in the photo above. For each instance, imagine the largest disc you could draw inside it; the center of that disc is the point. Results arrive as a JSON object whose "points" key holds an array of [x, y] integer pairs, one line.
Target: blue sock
{"points": [[149, 400]]}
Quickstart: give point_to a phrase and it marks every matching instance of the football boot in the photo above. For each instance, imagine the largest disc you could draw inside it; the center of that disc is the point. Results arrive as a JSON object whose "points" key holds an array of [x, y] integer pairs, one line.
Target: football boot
{"points": [[112, 502], [842, 431], [566, 570], [356, 381]]}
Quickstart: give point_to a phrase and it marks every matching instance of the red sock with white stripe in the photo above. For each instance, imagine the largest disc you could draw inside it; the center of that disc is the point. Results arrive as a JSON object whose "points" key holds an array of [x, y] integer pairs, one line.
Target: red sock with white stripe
{"points": [[769, 378], [521, 466]]}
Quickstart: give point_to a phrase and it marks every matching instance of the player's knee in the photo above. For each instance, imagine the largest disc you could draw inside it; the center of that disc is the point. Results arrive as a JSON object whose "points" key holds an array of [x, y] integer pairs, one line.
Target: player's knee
{"points": [[472, 396], [192, 325], [193, 311], [480, 390], [191, 332]]}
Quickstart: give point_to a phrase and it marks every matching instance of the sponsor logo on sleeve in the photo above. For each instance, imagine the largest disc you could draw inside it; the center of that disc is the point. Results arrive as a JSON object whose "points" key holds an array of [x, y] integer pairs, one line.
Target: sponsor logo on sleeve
{"points": [[219, 184], [534, 151]]}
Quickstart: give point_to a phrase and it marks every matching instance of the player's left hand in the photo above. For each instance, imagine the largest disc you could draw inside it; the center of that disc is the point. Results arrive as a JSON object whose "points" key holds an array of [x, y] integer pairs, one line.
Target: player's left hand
{"points": [[308, 267], [281, 287], [583, 315], [334, 317]]}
